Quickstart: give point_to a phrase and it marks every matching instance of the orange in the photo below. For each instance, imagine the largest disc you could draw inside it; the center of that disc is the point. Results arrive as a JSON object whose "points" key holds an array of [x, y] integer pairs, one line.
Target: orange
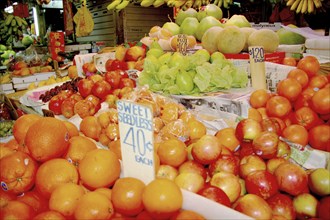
{"points": [[14, 145], [174, 129], [17, 210], [99, 168], [172, 152], [300, 75], [35, 200], [162, 198], [18, 171], [105, 191], [103, 138], [126, 196], [4, 151], [53, 173], [254, 114], [170, 112], [94, 205], [47, 138], [104, 119], [115, 147], [21, 126], [112, 131], [78, 147], [49, 215], [144, 215], [90, 127], [186, 116], [227, 138], [196, 129], [258, 98], [72, 129], [187, 215], [157, 123], [5, 197], [64, 198]]}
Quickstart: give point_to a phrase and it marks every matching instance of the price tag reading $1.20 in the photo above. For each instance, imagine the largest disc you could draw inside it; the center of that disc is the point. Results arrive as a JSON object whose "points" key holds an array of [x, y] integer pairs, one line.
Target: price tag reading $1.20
{"points": [[136, 139], [257, 67]]}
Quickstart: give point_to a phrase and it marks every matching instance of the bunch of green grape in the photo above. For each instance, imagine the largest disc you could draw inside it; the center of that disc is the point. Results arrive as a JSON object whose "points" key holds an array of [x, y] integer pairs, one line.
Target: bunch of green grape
{"points": [[6, 128]]}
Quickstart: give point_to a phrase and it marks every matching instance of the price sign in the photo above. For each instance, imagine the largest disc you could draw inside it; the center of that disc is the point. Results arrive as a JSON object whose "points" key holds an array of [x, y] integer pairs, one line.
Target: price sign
{"points": [[136, 139], [257, 67], [182, 44]]}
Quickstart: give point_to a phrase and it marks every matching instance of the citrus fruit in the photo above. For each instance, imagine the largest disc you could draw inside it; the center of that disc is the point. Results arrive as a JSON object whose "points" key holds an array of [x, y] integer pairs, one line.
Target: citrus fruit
{"points": [[53, 173], [162, 198], [99, 168], [72, 129], [21, 126], [90, 127], [47, 138], [18, 171], [172, 152], [49, 215], [17, 210], [35, 200]]}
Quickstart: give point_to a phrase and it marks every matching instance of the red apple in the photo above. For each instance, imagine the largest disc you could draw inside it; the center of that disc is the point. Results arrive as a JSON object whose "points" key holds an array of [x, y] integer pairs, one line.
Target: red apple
{"points": [[323, 209], [20, 65], [116, 65], [206, 150], [229, 183], [135, 53], [101, 89], [111, 100], [282, 205], [191, 166], [261, 183], [305, 205], [67, 107], [113, 78], [253, 206], [108, 64], [96, 77], [245, 149], [249, 164], [265, 144], [271, 124], [85, 87], [247, 129], [85, 67], [291, 178], [227, 163], [216, 194], [55, 104], [273, 163], [319, 181], [127, 82]]}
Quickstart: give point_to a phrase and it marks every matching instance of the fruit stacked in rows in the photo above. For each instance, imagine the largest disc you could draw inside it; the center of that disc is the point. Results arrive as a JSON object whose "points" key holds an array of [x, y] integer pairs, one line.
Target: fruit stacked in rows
{"points": [[12, 27]]}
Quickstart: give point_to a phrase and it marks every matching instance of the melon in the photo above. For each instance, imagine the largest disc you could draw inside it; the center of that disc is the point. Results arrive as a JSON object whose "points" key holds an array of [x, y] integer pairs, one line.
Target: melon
{"points": [[289, 37], [231, 40], [247, 31], [210, 39], [266, 38]]}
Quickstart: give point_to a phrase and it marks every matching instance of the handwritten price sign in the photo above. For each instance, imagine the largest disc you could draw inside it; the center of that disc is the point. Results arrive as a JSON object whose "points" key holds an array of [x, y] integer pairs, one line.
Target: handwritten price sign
{"points": [[257, 67], [136, 139]]}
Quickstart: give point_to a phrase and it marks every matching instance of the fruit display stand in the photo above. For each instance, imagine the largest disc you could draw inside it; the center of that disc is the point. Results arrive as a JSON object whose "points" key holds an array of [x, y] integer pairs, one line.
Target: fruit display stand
{"points": [[22, 82]]}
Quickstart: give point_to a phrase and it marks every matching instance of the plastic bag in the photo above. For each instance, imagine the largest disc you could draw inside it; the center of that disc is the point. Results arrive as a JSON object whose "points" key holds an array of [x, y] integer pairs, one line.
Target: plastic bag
{"points": [[84, 21]]}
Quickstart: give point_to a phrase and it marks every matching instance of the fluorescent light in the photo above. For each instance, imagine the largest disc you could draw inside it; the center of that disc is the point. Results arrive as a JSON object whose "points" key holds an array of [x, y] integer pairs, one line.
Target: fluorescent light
{"points": [[36, 21]]}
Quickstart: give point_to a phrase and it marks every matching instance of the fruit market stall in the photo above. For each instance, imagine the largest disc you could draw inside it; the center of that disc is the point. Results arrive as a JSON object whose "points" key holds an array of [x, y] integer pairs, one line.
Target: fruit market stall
{"points": [[174, 126]]}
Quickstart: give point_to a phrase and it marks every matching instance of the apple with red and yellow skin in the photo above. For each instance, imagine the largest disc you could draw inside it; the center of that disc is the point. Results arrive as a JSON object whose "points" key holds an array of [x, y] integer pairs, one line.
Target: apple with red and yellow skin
{"points": [[167, 171], [131, 65], [46, 69], [55, 104], [283, 150], [261, 183], [85, 87], [291, 178], [111, 100], [191, 166], [120, 52], [273, 163], [139, 64], [216, 194], [127, 82], [25, 71], [245, 149], [192, 182], [319, 181], [282, 205], [85, 67], [253, 206], [247, 129], [20, 65], [113, 78], [135, 53], [96, 77], [229, 183], [249, 164], [305, 205], [227, 163], [114, 64], [67, 107], [265, 144], [206, 150]]}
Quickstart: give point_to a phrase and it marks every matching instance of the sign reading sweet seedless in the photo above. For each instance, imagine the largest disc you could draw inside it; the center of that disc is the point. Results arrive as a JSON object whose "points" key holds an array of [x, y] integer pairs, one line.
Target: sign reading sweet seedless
{"points": [[136, 139]]}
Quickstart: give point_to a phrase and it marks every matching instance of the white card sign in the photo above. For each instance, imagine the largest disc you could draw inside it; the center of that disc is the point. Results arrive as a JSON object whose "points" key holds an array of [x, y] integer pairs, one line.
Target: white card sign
{"points": [[136, 139], [257, 67]]}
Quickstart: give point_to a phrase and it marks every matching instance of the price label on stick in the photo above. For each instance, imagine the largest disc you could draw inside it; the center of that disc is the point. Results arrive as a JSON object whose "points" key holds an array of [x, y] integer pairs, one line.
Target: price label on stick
{"points": [[257, 67], [136, 139]]}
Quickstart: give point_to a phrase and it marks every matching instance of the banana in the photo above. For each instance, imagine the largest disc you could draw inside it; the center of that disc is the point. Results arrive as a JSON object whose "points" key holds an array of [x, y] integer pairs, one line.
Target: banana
{"points": [[220, 3], [295, 5], [290, 2], [9, 19], [18, 21], [113, 4], [215, 2], [298, 9], [188, 4], [170, 3], [304, 7], [310, 7], [158, 3], [317, 3], [146, 3], [13, 22], [179, 3], [122, 5], [197, 4]]}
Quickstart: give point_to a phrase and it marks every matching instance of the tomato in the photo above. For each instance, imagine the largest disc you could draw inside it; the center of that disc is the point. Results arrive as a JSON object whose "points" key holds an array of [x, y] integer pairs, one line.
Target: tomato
{"points": [[318, 81], [55, 105], [278, 106], [113, 78], [290, 88], [319, 137], [302, 101], [306, 117], [296, 133], [300, 75], [261, 183], [289, 61], [321, 101], [185, 82], [309, 64]]}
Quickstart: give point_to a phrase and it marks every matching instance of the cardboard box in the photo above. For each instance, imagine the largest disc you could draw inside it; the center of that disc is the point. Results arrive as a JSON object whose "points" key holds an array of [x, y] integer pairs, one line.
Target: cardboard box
{"points": [[22, 82]]}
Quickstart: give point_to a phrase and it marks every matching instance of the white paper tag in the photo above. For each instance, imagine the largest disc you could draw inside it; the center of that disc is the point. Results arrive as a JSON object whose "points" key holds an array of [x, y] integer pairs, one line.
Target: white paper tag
{"points": [[257, 67], [136, 139]]}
